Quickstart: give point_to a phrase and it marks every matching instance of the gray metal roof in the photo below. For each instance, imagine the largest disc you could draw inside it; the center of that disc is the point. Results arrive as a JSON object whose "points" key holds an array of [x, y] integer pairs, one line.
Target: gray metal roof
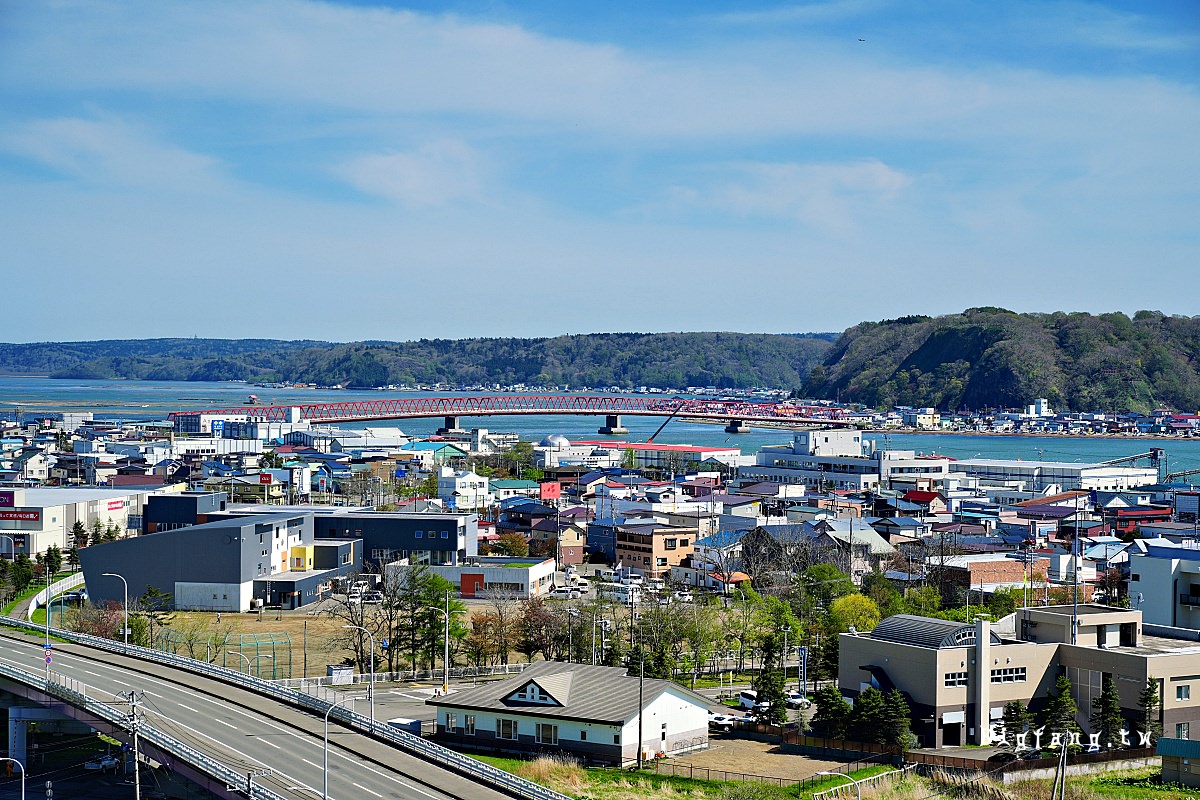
{"points": [[926, 631], [580, 691]]}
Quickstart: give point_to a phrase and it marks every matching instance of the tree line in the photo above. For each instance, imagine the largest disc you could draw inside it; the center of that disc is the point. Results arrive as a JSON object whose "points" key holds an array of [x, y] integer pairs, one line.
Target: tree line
{"points": [[992, 357], [627, 360]]}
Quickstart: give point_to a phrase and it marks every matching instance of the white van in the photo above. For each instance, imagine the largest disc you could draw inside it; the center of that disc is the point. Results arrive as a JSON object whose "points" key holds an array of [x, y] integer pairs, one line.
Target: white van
{"points": [[608, 575], [748, 699], [632, 579], [655, 584], [620, 592]]}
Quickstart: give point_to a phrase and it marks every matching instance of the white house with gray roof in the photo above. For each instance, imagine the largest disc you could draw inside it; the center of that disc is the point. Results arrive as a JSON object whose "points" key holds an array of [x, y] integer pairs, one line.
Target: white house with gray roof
{"points": [[589, 712]]}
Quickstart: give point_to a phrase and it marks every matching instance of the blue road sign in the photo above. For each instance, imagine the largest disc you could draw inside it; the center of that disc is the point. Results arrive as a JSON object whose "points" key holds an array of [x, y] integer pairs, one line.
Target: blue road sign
{"points": [[48, 659]]}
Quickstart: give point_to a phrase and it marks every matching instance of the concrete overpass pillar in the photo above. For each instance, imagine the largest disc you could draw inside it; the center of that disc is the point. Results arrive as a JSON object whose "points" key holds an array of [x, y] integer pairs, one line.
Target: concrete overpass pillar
{"points": [[737, 426], [613, 426], [19, 718], [450, 426], [16, 737]]}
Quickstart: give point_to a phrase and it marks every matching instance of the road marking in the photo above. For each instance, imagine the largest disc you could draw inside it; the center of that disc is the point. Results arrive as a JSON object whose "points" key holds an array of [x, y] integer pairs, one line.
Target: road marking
{"points": [[189, 708], [268, 743], [393, 779], [365, 789], [226, 724], [311, 764]]}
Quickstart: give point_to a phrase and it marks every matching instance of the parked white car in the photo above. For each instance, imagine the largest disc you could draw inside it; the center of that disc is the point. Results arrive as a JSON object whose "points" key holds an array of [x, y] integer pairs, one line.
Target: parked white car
{"points": [[797, 700]]}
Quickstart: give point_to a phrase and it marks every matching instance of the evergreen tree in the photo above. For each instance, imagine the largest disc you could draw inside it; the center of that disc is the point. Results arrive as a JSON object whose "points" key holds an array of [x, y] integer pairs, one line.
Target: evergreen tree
{"points": [[79, 535], [1015, 720], [1148, 708], [827, 657], [21, 573], [832, 716], [897, 720], [54, 559], [1059, 714], [769, 682], [1106, 716], [867, 718]]}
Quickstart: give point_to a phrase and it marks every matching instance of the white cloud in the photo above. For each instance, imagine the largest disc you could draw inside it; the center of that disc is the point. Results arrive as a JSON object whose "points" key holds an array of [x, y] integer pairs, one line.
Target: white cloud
{"points": [[110, 152], [835, 198], [435, 174]]}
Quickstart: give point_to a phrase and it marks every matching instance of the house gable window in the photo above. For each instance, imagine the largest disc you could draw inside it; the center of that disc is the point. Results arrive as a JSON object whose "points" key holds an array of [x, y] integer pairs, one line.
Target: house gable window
{"points": [[532, 693]]}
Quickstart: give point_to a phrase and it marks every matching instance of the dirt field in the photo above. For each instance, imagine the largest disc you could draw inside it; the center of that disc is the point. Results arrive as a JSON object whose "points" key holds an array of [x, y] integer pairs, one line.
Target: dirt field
{"points": [[753, 758], [318, 631]]}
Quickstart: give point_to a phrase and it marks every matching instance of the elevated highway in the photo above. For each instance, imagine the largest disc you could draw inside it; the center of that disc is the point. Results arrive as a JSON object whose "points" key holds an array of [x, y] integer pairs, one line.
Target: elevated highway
{"points": [[227, 734]]}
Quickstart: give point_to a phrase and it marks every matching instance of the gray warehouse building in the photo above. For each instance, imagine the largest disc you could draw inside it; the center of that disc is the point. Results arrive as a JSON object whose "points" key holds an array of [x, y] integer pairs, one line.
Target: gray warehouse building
{"points": [[227, 565]]}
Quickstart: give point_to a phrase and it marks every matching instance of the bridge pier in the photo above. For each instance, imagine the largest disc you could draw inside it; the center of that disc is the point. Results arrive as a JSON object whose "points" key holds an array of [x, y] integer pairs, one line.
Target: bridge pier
{"points": [[450, 426], [737, 426], [19, 718], [613, 426]]}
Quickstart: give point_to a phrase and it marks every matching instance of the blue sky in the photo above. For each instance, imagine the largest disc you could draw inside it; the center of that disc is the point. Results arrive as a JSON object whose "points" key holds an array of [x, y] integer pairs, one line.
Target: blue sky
{"points": [[360, 170]]}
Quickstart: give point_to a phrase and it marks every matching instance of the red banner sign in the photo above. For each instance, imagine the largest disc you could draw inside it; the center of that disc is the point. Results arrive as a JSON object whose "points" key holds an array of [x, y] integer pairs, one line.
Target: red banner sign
{"points": [[23, 516], [265, 477], [116, 505]]}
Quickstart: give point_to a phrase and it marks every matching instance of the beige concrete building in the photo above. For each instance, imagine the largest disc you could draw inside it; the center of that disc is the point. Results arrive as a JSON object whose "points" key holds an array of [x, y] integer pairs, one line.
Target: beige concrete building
{"points": [[957, 677], [652, 548]]}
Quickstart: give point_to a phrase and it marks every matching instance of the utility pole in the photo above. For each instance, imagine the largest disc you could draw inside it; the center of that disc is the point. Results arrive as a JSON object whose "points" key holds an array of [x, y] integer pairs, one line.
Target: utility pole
{"points": [[134, 698]]}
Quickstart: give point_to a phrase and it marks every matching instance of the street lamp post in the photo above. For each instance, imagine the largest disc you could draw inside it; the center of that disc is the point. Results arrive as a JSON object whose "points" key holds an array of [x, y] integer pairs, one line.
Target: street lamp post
{"points": [[325, 762], [22, 767], [572, 613], [371, 684], [857, 784], [251, 661], [446, 650], [125, 583]]}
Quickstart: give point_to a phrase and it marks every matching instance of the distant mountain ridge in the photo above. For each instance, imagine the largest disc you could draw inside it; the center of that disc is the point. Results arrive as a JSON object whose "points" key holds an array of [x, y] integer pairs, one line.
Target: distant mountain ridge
{"points": [[727, 360], [992, 357], [981, 358]]}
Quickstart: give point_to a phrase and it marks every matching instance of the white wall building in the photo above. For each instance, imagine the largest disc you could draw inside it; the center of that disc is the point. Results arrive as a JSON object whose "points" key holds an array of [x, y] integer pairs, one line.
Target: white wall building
{"points": [[842, 459], [463, 490], [1036, 476]]}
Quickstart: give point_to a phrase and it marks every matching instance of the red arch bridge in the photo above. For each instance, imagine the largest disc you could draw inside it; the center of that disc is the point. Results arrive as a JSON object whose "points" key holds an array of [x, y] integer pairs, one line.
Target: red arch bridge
{"points": [[737, 415]]}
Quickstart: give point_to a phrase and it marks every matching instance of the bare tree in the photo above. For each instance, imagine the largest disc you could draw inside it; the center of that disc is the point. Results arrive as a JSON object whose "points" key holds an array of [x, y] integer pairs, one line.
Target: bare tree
{"points": [[506, 606]]}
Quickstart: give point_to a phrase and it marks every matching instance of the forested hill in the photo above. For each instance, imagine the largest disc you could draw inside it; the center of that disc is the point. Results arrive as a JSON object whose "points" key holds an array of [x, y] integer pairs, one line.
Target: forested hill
{"points": [[728, 360], [990, 357]]}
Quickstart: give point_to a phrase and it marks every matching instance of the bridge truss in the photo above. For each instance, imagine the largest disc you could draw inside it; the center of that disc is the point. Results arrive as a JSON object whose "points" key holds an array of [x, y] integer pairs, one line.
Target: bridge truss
{"points": [[500, 405]]}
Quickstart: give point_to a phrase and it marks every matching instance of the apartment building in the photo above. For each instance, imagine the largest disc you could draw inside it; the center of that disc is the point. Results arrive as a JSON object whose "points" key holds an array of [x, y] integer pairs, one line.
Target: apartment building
{"points": [[652, 548]]}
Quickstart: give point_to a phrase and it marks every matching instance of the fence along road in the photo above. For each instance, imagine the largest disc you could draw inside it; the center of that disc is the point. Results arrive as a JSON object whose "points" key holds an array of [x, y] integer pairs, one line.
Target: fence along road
{"points": [[247, 731]]}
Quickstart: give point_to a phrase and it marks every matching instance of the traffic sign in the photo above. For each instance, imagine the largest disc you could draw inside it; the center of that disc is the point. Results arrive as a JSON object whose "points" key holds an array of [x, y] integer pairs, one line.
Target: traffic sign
{"points": [[48, 659], [384, 644], [47, 646]]}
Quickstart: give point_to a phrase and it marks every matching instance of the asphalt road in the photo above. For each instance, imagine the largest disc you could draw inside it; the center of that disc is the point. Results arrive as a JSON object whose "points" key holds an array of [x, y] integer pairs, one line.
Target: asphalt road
{"points": [[248, 731]]}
